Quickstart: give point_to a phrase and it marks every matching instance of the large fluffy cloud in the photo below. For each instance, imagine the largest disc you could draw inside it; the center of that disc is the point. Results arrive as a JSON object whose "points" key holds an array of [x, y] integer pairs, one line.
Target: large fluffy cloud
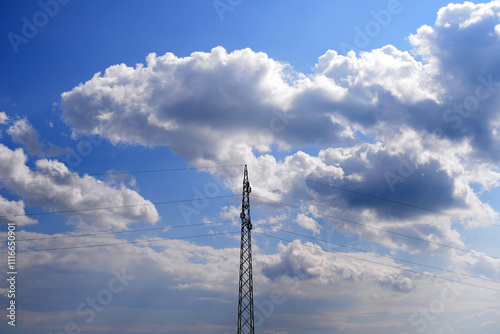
{"points": [[460, 51], [53, 187], [213, 101], [385, 123]]}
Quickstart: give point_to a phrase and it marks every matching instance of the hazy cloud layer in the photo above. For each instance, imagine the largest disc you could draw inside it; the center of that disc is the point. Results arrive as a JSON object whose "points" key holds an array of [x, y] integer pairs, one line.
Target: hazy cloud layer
{"points": [[297, 283]]}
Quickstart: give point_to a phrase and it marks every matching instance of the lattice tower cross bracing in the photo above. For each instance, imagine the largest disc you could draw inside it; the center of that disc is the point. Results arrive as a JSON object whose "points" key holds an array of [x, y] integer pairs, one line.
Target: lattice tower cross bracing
{"points": [[245, 295]]}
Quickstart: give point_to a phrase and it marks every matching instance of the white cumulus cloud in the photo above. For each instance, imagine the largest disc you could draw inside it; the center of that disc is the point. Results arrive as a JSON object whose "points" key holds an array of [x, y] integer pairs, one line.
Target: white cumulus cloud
{"points": [[53, 187], [417, 127], [13, 211], [308, 223]]}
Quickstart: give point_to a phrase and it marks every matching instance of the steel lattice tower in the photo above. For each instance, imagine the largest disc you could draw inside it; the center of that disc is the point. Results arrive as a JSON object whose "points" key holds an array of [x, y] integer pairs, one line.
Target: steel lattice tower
{"points": [[245, 297]]}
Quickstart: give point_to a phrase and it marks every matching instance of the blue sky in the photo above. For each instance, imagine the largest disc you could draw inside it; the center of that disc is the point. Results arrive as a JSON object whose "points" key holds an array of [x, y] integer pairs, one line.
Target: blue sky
{"points": [[372, 125]]}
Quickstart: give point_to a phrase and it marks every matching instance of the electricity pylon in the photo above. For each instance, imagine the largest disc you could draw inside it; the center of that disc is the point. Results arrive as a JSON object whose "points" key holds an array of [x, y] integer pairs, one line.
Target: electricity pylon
{"points": [[245, 296]]}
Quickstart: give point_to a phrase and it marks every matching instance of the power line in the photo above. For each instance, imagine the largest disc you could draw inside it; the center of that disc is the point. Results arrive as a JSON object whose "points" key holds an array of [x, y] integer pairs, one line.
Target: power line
{"points": [[259, 224], [119, 173], [381, 255], [371, 227], [127, 231], [114, 207], [128, 242], [383, 264], [286, 240], [274, 237], [216, 197], [267, 199]]}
